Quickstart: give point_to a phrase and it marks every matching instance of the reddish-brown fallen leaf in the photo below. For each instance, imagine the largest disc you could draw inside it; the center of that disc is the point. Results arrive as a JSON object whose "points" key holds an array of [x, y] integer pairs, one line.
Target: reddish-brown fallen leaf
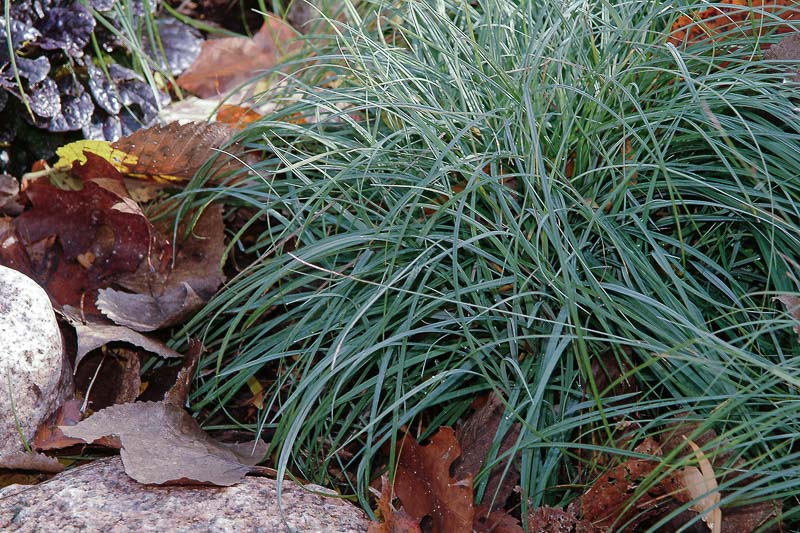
{"points": [[394, 521], [49, 436], [81, 240], [605, 502], [161, 300], [718, 21], [476, 438], [175, 152], [425, 487], [495, 522], [224, 64]]}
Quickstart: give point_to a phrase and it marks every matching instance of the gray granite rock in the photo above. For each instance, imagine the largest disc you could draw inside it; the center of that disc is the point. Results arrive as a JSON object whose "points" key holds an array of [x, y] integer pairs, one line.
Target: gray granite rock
{"points": [[101, 497], [31, 359]]}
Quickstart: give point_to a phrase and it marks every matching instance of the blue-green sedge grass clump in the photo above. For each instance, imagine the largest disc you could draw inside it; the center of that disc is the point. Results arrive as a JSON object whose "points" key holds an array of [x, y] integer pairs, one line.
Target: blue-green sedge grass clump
{"points": [[503, 196]]}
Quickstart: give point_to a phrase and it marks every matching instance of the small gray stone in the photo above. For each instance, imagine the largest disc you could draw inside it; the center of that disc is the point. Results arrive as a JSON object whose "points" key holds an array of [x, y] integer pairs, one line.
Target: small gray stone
{"points": [[31, 359], [101, 497]]}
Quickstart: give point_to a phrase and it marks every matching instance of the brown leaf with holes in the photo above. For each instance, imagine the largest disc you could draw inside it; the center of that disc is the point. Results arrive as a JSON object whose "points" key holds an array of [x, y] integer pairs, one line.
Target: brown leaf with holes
{"points": [[175, 152], [425, 487], [226, 63], [555, 520], [394, 521], [476, 437], [605, 502]]}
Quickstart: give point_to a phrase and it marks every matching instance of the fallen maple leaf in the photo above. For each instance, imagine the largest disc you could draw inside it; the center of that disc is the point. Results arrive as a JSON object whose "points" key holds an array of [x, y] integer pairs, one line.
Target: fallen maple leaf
{"points": [[425, 487]]}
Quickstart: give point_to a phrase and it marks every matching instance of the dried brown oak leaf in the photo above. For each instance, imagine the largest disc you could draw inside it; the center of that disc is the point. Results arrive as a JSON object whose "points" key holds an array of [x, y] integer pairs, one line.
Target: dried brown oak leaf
{"points": [[224, 64], [425, 487], [608, 502], [394, 521]]}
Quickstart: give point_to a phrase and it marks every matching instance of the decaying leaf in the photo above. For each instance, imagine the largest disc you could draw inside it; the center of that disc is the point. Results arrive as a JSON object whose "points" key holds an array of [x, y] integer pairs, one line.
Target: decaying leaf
{"points": [[162, 444], [170, 153], [159, 301], [394, 521], [605, 502], [49, 436], [179, 392], [224, 64], [35, 462], [792, 304], [555, 520], [703, 484], [92, 336], [476, 437], [425, 487], [495, 522], [78, 241]]}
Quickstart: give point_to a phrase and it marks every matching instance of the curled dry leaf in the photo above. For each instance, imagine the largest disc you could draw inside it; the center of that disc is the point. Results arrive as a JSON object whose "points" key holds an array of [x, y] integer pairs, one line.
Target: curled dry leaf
{"points": [[92, 336], [703, 484]]}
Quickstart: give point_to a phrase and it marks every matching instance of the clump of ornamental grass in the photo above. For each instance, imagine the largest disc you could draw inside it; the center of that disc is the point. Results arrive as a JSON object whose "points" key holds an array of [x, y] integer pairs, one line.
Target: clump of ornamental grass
{"points": [[518, 197]]}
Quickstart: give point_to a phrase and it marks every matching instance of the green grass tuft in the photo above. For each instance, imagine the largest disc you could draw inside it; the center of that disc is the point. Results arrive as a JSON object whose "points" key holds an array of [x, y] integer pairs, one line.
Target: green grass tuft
{"points": [[496, 196]]}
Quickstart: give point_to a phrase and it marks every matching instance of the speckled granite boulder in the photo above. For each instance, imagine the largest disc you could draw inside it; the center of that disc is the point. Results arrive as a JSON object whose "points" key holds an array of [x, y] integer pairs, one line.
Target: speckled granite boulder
{"points": [[101, 497], [30, 357]]}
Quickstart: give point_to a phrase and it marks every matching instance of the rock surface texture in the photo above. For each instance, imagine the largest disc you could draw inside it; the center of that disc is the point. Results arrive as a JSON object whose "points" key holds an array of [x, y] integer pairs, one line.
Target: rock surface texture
{"points": [[101, 497], [31, 359]]}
